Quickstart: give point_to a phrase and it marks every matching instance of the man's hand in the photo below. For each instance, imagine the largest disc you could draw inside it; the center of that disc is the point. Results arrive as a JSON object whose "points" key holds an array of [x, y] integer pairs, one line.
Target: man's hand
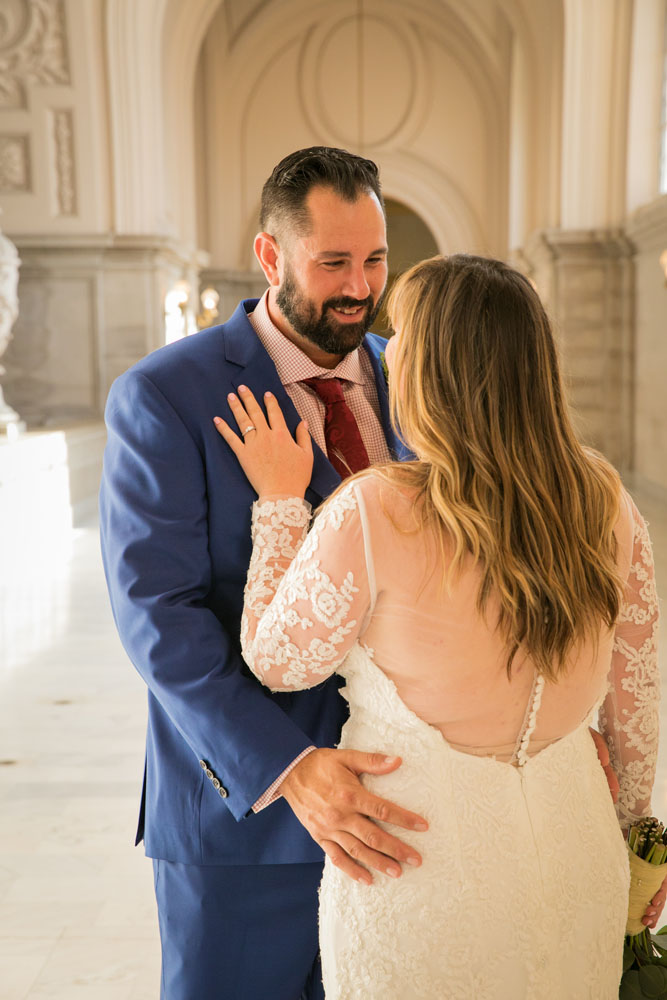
{"points": [[327, 797], [603, 754]]}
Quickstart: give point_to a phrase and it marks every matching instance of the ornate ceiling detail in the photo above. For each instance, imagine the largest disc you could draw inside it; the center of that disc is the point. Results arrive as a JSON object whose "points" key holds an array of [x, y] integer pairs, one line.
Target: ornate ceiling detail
{"points": [[33, 48]]}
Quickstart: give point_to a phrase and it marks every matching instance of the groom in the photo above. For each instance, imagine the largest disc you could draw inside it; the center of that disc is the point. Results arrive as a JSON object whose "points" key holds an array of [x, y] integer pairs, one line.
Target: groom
{"points": [[242, 789]]}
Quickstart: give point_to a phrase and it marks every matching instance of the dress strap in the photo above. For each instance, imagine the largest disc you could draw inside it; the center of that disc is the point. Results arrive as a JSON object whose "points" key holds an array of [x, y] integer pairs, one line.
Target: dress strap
{"points": [[520, 756]]}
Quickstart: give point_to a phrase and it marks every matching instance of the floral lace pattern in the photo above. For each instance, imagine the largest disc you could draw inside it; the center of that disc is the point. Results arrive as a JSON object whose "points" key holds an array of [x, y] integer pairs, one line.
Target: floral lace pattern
{"points": [[310, 602], [505, 844], [629, 715], [503, 850]]}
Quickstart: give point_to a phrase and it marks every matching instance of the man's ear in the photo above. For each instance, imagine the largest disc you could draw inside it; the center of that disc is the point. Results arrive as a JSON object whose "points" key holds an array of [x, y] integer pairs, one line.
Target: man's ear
{"points": [[267, 252]]}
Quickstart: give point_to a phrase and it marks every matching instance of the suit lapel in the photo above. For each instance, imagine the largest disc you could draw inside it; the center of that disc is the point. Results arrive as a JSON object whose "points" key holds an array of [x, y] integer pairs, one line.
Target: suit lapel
{"points": [[374, 347], [255, 369]]}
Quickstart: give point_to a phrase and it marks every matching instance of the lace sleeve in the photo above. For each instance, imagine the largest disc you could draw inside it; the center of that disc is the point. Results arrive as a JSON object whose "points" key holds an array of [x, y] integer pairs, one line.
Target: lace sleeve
{"points": [[306, 597], [629, 714]]}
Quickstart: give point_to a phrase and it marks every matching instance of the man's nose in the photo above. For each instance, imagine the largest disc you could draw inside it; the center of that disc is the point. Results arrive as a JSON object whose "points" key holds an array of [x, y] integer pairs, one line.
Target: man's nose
{"points": [[356, 284]]}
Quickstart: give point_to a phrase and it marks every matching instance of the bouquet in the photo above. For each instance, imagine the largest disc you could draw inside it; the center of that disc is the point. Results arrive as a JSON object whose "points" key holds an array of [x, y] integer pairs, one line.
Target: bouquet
{"points": [[645, 954]]}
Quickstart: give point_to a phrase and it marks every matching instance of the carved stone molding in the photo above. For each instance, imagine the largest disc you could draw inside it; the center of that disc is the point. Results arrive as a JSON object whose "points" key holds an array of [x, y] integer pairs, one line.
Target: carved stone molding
{"points": [[14, 163], [33, 48], [65, 178]]}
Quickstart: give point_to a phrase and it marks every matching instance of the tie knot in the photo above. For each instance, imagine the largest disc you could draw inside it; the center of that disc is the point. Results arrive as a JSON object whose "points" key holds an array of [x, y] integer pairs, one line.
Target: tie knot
{"points": [[329, 390]]}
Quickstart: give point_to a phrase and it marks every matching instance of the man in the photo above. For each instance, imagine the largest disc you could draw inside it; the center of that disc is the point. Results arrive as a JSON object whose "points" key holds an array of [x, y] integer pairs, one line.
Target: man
{"points": [[241, 786], [235, 800]]}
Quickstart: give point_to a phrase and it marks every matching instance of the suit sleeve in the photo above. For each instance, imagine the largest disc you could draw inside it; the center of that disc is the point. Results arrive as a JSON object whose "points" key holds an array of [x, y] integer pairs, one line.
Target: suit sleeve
{"points": [[154, 527]]}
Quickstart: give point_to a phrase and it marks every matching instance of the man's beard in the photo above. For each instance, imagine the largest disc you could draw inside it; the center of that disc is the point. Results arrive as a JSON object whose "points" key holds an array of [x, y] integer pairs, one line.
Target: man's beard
{"points": [[320, 328]]}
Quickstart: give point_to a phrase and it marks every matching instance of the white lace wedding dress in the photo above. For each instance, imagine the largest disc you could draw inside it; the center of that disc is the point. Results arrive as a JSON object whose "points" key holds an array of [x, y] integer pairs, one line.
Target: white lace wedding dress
{"points": [[522, 894]]}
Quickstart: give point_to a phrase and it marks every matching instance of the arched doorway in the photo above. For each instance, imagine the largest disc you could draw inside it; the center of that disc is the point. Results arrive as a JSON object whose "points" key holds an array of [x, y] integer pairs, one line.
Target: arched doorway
{"points": [[409, 240]]}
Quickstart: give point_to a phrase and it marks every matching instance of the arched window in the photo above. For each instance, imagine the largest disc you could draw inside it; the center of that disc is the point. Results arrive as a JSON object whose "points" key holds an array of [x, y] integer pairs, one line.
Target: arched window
{"points": [[663, 115]]}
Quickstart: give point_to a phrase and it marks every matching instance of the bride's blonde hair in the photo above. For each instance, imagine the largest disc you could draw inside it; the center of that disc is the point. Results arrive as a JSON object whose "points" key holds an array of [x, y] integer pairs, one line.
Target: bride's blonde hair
{"points": [[476, 391]]}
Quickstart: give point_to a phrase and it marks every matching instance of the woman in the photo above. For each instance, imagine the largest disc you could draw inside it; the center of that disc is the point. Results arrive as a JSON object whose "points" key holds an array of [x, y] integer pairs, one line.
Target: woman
{"points": [[481, 602]]}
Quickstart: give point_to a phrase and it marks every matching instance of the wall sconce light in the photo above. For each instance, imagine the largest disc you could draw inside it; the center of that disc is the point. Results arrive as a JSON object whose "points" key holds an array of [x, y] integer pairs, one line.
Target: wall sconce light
{"points": [[209, 308], [177, 297], [663, 264]]}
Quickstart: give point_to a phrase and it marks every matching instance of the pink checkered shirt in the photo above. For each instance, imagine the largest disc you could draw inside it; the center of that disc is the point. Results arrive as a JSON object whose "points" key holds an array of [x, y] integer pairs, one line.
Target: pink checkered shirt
{"points": [[360, 393]]}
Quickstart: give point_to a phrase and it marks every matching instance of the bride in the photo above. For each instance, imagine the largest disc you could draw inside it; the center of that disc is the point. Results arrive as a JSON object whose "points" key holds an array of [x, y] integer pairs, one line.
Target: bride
{"points": [[482, 603]]}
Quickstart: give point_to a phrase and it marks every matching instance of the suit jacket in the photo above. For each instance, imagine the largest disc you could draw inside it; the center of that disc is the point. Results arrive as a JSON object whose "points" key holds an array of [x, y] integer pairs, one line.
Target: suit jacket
{"points": [[175, 512]]}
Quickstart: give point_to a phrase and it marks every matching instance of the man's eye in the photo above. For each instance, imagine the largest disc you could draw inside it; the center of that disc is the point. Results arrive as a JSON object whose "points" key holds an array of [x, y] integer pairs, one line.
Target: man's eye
{"points": [[375, 260], [333, 263]]}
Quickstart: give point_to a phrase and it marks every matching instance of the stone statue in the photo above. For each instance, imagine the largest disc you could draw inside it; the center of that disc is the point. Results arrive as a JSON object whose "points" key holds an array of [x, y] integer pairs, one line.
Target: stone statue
{"points": [[9, 310]]}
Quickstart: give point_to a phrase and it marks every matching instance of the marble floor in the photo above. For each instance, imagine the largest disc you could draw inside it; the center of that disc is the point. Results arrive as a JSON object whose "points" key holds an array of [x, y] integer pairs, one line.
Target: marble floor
{"points": [[77, 916]]}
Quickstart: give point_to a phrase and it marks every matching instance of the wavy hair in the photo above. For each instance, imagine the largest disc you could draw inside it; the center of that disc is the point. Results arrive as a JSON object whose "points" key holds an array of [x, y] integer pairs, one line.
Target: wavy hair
{"points": [[477, 394]]}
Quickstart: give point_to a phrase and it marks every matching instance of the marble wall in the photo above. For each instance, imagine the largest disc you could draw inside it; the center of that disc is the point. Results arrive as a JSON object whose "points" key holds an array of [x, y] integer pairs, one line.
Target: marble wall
{"points": [[134, 140]]}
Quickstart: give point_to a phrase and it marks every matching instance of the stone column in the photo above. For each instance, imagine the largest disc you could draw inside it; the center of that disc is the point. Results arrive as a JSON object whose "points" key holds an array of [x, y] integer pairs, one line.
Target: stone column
{"points": [[586, 281], [9, 310]]}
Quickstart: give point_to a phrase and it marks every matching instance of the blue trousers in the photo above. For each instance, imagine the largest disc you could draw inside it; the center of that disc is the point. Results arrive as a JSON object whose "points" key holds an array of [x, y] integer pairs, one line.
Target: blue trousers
{"points": [[238, 933]]}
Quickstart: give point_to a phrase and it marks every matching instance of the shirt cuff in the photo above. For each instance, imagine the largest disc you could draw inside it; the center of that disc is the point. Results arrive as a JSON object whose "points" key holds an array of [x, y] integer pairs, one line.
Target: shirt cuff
{"points": [[273, 791]]}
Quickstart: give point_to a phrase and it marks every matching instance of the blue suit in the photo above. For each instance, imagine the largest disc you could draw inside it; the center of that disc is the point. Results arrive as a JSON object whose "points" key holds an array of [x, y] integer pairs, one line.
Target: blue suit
{"points": [[175, 521]]}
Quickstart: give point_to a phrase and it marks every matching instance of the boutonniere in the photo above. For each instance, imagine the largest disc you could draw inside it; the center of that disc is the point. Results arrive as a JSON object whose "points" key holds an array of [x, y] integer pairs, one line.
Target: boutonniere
{"points": [[385, 369]]}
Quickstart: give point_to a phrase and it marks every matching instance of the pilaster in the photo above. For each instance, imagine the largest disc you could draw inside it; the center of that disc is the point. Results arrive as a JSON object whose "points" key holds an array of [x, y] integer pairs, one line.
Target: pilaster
{"points": [[586, 280]]}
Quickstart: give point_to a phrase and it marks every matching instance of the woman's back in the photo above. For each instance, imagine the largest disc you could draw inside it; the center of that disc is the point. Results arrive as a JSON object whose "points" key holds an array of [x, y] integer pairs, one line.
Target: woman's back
{"points": [[533, 851], [448, 661]]}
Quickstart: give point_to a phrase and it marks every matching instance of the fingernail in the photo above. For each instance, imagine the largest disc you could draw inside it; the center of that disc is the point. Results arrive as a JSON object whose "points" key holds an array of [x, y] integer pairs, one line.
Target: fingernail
{"points": [[394, 872], [217, 420], [268, 395], [365, 879], [391, 760], [420, 826], [415, 862], [243, 388], [231, 395]]}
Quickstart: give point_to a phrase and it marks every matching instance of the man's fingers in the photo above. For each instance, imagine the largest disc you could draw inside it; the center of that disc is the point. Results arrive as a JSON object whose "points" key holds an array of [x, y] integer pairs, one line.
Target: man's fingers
{"points": [[369, 763], [368, 857], [342, 860], [372, 805]]}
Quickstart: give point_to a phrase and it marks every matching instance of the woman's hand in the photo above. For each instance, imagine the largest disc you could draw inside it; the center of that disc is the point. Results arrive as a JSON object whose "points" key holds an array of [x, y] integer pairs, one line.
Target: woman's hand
{"points": [[270, 457], [655, 907]]}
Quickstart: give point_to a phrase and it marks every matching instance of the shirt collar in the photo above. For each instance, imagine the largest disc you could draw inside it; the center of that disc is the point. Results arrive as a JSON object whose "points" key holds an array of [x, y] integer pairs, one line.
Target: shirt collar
{"points": [[291, 363]]}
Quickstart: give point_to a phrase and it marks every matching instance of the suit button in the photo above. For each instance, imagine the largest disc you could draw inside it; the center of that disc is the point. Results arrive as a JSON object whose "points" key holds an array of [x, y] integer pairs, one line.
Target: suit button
{"points": [[216, 784], [209, 774], [222, 792], [203, 765]]}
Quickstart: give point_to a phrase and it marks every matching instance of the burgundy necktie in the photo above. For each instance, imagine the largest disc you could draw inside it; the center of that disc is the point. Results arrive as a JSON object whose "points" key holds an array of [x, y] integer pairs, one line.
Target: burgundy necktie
{"points": [[345, 448]]}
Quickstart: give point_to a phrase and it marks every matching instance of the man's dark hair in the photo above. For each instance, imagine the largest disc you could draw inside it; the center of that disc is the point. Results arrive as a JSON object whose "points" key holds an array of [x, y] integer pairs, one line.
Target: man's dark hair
{"points": [[285, 192]]}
